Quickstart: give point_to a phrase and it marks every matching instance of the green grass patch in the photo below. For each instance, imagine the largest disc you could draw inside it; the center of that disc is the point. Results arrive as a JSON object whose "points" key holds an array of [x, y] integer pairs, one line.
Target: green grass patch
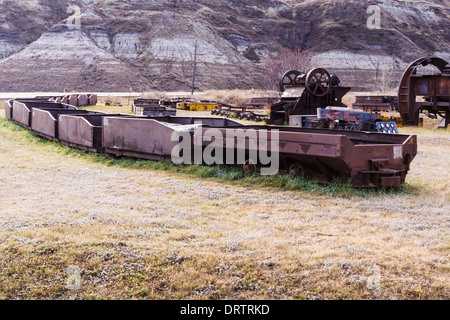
{"points": [[234, 175]]}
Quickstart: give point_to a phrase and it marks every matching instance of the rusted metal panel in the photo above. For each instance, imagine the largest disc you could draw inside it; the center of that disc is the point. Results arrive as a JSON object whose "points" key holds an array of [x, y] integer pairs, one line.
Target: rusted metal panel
{"points": [[366, 167], [443, 86], [45, 122], [82, 131], [73, 100], [22, 114], [77, 131], [146, 138], [93, 99], [431, 85], [9, 109], [149, 138], [22, 109], [83, 100], [376, 103]]}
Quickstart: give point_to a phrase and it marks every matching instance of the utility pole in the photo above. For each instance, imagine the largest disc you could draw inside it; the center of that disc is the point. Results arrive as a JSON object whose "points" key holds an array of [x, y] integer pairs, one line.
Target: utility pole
{"points": [[195, 68], [378, 68], [209, 78], [226, 80]]}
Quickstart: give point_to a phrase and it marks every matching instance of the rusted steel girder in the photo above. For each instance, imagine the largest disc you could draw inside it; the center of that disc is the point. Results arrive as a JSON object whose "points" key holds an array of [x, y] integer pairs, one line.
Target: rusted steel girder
{"points": [[376, 103]]}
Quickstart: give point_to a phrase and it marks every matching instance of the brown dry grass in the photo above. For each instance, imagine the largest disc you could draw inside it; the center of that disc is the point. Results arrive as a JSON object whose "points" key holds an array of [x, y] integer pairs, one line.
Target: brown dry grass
{"points": [[155, 235]]}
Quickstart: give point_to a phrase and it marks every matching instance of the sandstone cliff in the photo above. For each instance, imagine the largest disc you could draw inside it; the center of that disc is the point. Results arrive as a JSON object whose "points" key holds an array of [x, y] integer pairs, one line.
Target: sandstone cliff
{"points": [[150, 44]]}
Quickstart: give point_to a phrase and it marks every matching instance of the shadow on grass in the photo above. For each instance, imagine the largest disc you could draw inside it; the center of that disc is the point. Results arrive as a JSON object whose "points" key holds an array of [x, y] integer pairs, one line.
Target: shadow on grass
{"points": [[232, 175]]}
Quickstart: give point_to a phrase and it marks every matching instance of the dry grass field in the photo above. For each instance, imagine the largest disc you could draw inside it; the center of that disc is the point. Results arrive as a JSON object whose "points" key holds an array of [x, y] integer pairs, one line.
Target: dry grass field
{"points": [[74, 228]]}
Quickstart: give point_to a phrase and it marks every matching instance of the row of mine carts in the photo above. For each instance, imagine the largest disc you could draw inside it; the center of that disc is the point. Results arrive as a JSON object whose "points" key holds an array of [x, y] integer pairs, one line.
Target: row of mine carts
{"points": [[366, 159], [324, 139]]}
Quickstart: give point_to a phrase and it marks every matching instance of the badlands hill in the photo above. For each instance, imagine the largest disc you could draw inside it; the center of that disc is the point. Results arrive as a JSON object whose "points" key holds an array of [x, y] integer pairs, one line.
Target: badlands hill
{"points": [[115, 45]]}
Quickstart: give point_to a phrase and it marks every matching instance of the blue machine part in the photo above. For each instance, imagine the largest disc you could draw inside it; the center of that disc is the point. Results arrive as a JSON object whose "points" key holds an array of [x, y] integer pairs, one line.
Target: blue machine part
{"points": [[387, 127]]}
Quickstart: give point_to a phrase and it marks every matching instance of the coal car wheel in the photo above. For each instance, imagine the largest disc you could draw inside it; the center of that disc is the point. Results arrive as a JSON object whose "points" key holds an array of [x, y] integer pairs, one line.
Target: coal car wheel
{"points": [[296, 170], [249, 166], [289, 79]]}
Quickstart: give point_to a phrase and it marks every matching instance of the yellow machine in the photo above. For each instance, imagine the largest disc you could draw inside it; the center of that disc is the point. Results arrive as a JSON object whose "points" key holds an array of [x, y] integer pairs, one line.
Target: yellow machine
{"points": [[197, 106], [398, 120]]}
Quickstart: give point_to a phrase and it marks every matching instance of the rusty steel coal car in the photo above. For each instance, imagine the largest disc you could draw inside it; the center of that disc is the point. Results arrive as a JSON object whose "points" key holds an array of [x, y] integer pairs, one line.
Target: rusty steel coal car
{"points": [[367, 159]]}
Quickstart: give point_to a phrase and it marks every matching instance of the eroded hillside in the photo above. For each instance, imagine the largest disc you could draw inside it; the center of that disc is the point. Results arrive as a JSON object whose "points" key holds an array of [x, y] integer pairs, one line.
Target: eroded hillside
{"points": [[150, 44]]}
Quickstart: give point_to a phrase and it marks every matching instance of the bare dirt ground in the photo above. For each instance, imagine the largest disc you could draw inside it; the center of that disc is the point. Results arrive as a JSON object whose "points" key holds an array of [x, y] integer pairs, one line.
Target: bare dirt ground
{"points": [[74, 229]]}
